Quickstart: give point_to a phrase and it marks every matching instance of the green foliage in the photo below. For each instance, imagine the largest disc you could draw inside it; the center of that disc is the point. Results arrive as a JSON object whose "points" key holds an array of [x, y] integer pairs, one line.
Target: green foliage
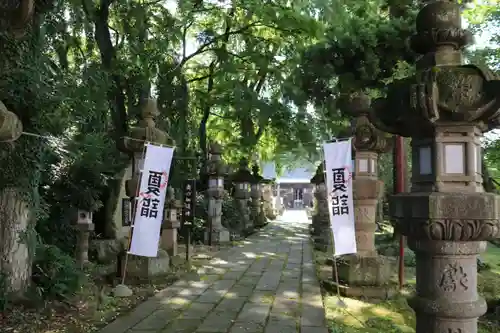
{"points": [[231, 217], [55, 274]]}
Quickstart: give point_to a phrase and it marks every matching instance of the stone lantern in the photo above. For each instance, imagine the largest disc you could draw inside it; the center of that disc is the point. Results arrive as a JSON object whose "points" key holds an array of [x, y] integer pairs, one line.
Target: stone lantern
{"points": [[170, 223], [267, 199], [447, 217], [259, 220], [365, 273], [217, 170], [84, 227], [321, 219], [133, 145], [242, 179]]}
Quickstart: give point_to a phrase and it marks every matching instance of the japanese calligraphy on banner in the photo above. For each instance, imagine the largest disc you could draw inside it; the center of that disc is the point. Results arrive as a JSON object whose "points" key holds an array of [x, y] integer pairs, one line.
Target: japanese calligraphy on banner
{"points": [[338, 163], [189, 201], [151, 201]]}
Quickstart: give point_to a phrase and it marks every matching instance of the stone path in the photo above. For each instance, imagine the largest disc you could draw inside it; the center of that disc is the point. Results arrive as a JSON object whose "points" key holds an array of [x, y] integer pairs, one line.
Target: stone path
{"points": [[266, 285]]}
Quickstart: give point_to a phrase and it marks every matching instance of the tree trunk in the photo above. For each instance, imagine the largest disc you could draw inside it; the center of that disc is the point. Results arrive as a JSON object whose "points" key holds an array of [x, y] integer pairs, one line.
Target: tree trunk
{"points": [[15, 259]]}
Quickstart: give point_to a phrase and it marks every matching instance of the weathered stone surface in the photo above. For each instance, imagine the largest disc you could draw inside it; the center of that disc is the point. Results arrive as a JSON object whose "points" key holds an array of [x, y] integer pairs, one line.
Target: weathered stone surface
{"points": [[368, 271]]}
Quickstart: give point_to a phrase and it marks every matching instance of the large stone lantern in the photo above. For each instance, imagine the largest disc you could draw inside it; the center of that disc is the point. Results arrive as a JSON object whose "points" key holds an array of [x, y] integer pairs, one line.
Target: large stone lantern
{"points": [[366, 274], [217, 171], [133, 144], [242, 180], [447, 217]]}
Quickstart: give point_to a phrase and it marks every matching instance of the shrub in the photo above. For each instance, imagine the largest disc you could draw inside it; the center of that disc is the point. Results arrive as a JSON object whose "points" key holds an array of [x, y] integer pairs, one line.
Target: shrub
{"points": [[55, 274]]}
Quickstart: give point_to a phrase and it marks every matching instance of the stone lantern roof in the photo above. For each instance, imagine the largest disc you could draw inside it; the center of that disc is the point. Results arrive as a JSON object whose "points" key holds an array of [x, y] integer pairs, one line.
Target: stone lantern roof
{"points": [[319, 176], [242, 175], [257, 178], [366, 137], [146, 131]]}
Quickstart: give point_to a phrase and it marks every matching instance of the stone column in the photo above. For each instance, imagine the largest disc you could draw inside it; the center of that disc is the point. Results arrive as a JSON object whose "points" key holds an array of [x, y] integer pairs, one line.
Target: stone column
{"points": [[447, 217], [365, 274], [216, 172], [170, 223], [84, 226]]}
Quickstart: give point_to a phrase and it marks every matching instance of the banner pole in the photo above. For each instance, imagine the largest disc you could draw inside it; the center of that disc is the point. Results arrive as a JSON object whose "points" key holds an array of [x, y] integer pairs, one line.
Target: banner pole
{"points": [[134, 210], [340, 302]]}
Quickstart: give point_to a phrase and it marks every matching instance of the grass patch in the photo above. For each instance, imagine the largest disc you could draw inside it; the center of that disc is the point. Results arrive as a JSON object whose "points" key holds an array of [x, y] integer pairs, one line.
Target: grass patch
{"points": [[395, 316]]}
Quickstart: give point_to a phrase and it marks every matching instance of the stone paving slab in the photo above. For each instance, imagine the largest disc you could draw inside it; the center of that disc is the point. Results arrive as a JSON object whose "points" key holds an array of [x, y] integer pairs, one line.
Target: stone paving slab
{"points": [[267, 284]]}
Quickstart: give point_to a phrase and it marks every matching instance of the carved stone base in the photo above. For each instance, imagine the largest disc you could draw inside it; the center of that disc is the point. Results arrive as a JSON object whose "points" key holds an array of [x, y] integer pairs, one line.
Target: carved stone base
{"points": [[364, 292], [356, 270], [144, 267], [219, 237], [447, 232]]}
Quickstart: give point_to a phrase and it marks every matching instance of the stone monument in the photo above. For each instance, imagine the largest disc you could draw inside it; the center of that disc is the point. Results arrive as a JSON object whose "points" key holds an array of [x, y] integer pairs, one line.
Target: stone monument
{"points": [[447, 217], [365, 274], [216, 233], [242, 179]]}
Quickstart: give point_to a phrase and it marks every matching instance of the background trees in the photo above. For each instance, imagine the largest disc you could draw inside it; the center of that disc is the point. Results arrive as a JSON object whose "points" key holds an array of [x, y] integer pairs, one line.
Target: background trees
{"points": [[261, 77]]}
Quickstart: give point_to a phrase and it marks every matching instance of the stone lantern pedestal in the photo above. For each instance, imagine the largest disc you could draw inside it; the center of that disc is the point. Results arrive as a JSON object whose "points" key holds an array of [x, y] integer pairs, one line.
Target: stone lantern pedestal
{"points": [[446, 217], [366, 274]]}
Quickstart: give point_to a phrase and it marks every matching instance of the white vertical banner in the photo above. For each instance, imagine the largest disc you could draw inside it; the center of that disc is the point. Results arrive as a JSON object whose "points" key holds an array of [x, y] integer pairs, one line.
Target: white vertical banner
{"points": [[151, 201], [338, 161]]}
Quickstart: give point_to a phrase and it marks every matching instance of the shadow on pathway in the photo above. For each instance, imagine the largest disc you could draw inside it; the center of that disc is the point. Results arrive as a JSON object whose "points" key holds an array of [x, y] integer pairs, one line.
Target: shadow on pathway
{"points": [[267, 284]]}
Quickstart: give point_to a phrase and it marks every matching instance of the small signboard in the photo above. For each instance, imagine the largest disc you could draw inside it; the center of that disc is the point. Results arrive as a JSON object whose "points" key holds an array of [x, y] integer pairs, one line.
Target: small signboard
{"points": [[189, 202], [126, 212]]}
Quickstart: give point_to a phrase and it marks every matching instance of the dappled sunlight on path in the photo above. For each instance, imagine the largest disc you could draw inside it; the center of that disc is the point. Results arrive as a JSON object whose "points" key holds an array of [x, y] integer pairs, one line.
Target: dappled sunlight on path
{"points": [[266, 284]]}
